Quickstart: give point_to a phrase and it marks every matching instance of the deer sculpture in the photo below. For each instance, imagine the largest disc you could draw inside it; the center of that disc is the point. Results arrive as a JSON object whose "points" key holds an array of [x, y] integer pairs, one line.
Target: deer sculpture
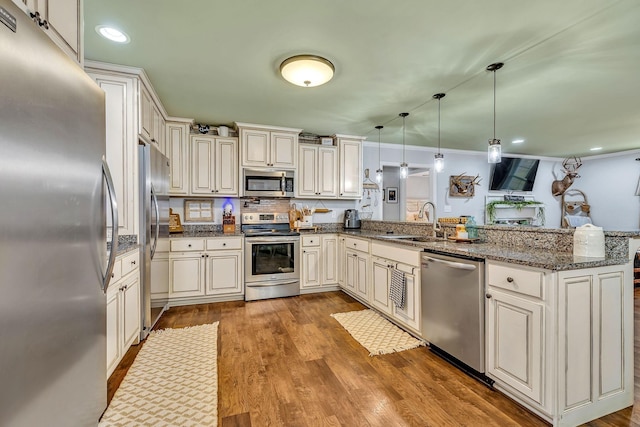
{"points": [[570, 167]]}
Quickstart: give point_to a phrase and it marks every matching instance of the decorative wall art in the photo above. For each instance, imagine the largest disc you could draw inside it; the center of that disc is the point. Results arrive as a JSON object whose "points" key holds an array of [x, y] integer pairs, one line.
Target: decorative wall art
{"points": [[463, 185], [392, 195], [198, 211]]}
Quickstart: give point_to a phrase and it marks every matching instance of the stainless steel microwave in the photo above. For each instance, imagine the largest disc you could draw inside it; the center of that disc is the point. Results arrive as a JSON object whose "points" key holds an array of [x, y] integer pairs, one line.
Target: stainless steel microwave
{"points": [[262, 183]]}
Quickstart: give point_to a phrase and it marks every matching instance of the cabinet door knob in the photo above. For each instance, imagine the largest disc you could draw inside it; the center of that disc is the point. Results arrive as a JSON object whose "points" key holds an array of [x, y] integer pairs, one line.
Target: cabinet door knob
{"points": [[133, 262], [510, 279], [189, 245], [207, 255], [202, 255], [113, 275], [488, 296], [224, 244]]}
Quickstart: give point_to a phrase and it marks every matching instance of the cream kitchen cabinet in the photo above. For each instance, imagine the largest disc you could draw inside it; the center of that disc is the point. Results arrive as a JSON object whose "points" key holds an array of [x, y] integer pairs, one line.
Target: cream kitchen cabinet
{"points": [[386, 258], [62, 21], [177, 150], [268, 146], [317, 171], [214, 166], [357, 264], [319, 261], [350, 155], [341, 266], [561, 343], [160, 274], [205, 270], [152, 121], [123, 309], [121, 144]]}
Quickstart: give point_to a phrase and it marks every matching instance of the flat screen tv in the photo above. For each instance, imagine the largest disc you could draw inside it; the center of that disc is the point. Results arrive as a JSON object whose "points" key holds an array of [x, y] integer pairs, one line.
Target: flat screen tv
{"points": [[514, 174]]}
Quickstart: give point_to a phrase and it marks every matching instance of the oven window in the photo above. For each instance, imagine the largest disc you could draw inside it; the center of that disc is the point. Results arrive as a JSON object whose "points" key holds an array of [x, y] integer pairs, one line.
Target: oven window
{"points": [[272, 258]]}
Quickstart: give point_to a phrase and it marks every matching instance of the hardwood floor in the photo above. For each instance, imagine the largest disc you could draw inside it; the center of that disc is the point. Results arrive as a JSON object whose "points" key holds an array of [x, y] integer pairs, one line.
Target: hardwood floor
{"points": [[286, 362]]}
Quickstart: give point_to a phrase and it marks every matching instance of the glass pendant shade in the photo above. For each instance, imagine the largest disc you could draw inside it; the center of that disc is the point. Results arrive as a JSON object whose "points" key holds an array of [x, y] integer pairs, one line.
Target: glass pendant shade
{"points": [[495, 151], [439, 162], [404, 170], [379, 170], [379, 175]]}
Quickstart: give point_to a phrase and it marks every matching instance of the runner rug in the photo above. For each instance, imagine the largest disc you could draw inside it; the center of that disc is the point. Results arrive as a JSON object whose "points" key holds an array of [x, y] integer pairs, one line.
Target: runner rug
{"points": [[375, 333], [172, 382]]}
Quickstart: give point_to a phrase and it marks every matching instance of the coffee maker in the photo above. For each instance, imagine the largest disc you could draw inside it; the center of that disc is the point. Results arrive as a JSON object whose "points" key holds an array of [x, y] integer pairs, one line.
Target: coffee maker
{"points": [[351, 219]]}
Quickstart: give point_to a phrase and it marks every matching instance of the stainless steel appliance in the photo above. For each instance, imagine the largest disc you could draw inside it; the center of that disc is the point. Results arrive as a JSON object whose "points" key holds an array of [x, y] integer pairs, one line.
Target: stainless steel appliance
{"points": [[52, 234], [154, 222], [351, 219], [453, 309], [268, 183], [272, 262]]}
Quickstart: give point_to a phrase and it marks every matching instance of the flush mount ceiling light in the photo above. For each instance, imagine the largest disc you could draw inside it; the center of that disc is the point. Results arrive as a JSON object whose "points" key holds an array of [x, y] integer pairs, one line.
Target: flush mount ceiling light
{"points": [[112, 34], [517, 141], [379, 171], [404, 167], [439, 158], [307, 70], [495, 150]]}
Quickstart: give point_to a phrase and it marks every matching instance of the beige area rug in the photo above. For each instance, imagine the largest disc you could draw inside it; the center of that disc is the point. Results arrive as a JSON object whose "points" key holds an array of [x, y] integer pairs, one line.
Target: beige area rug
{"points": [[375, 333], [172, 382]]}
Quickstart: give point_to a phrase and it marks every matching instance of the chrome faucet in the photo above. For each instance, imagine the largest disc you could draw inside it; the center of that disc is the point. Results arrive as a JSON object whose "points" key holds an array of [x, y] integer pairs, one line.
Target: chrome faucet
{"points": [[435, 219]]}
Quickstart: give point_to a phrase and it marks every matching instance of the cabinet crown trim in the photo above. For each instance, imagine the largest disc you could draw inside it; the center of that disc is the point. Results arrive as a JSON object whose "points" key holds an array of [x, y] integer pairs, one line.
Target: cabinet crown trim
{"points": [[239, 125]]}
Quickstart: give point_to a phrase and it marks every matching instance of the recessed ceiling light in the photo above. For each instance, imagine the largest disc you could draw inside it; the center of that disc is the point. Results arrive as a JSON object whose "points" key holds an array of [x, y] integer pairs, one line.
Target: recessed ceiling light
{"points": [[112, 34], [596, 149], [517, 141]]}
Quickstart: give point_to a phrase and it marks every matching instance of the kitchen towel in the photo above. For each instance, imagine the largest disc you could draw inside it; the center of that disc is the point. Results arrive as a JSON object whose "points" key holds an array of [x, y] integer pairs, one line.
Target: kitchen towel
{"points": [[398, 288]]}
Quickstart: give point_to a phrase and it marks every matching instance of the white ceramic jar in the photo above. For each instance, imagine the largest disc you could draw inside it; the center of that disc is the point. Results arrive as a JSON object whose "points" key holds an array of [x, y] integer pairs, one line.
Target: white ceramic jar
{"points": [[588, 241]]}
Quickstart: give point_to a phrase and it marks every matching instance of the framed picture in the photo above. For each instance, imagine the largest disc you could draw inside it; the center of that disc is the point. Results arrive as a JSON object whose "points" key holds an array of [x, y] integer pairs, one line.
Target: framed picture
{"points": [[198, 211], [392, 194], [462, 186]]}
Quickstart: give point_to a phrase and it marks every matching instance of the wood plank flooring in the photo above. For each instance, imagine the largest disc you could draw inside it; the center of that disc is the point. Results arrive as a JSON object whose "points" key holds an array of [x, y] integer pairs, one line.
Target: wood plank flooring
{"points": [[286, 362]]}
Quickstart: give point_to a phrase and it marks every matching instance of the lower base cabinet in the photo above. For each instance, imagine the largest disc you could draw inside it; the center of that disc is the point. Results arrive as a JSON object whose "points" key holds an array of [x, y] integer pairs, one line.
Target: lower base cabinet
{"points": [[123, 309], [319, 266], [561, 343], [200, 268]]}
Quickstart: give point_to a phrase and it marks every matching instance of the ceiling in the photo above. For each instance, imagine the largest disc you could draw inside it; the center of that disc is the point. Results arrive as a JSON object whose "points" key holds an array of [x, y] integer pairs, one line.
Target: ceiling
{"points": [[571, 79]]}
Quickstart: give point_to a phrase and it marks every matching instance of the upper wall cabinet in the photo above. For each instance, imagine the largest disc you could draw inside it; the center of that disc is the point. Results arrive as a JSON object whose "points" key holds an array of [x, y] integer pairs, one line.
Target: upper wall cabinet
{"points": [[61, 20], [268, 146], [317, 171], [350, 153], [177, 150], [214, 166]]}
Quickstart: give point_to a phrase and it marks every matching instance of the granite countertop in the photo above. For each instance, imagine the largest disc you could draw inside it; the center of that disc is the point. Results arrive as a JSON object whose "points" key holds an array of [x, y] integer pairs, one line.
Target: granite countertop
{"points": [[125, 247], [556, 261]]}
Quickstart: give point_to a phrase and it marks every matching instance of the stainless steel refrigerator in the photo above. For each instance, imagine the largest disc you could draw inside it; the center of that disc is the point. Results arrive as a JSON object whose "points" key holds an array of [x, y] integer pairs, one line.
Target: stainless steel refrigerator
{"points": [[154, 223], [53, 257]]}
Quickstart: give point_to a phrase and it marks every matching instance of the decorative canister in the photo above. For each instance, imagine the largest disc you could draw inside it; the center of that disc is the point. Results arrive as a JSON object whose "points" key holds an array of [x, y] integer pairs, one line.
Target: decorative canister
{"points": [[588, 241]]}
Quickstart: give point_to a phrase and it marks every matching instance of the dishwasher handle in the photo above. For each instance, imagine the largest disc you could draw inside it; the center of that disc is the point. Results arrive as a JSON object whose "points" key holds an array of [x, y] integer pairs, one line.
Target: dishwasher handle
{"points": [[456, 265]]}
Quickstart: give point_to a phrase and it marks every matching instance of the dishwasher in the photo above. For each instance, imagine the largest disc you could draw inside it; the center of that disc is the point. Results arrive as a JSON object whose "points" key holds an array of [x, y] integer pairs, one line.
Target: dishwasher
{"points": [[453, 310]]}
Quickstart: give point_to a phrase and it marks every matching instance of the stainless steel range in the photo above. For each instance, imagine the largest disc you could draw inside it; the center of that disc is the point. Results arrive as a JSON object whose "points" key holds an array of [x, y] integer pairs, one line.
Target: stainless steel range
{"points": [[272, 265]]}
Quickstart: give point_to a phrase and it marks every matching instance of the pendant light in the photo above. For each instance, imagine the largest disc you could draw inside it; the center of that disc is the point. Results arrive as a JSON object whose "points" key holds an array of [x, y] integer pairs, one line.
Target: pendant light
{"points": [[495, 149], [404, 167], [379, 171], [439, 158]]}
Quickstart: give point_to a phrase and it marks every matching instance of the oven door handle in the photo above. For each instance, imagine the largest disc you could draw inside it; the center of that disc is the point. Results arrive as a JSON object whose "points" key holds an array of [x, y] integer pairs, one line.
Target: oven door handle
{"points": [[272, 239], [268, 285], [283, 183]]}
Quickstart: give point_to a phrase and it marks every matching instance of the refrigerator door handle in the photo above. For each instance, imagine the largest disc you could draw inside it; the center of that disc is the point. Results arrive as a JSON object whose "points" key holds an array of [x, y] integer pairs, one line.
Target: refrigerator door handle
{"points": [[154, 199], [114, 224]]}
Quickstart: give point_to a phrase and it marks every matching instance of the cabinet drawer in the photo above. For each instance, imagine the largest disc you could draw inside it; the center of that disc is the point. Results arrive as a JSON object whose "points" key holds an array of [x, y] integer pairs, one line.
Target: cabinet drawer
{"points": [[311, 240], [130, 263], [224, 243], [184, 245], [357, 244], [162, 246], [522, 281], [397, 253]]}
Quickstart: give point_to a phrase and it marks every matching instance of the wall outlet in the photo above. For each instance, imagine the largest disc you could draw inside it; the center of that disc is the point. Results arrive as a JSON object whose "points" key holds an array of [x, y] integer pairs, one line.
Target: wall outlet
{"points": [[447, 208], [333, 214]]}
